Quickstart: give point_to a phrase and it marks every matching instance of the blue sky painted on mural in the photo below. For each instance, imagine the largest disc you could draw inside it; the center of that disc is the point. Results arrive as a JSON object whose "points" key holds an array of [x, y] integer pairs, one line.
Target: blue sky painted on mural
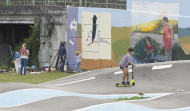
{"points": [[119, 18], [184, 10], [153, 11], [184, 22]]}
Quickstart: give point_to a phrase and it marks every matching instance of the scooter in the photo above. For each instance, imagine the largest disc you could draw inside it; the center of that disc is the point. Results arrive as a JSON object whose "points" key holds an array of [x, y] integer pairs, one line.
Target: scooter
{"points": [[132, 83]]}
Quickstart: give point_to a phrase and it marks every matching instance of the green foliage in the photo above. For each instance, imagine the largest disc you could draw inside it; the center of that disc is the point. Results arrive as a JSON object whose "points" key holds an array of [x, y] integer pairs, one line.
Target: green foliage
{"points": [[132, 98], [141, 46], [33, 43], [9, 65], [4, 67], [48, 28]]}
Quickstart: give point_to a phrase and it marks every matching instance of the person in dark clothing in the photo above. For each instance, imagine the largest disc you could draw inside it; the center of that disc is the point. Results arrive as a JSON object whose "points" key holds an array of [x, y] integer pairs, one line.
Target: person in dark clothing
{"points": [[63, 55]]}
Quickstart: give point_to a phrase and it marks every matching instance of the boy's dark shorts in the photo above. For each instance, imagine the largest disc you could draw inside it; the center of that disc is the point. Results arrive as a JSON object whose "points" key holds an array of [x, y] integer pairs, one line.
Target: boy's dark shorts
{"points": [[123, 68]]}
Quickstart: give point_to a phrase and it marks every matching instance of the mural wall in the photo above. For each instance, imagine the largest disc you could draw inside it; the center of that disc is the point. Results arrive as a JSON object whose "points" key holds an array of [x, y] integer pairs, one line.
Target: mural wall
{"points": [[72, 34], [101, 32], [154, 31], [160, 32], [96, 36], [184, 31]]}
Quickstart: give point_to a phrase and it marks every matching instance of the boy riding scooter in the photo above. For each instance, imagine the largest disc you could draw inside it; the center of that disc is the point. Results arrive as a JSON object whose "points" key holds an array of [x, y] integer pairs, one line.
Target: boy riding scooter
{"points": [[127, 60]]}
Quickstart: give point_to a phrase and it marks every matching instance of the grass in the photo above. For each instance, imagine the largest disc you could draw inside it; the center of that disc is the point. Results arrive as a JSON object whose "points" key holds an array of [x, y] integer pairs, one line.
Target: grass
{"points": [[33, 78], [132, 98]]}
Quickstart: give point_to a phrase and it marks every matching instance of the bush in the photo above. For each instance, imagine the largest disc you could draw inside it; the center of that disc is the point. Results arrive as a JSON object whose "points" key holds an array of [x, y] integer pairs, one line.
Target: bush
{"points": [[33, 43]]}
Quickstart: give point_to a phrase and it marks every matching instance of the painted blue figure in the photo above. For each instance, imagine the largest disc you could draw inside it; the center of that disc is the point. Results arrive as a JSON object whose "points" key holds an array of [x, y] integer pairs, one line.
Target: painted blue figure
{"points": [[63, 55], [78, 61]]}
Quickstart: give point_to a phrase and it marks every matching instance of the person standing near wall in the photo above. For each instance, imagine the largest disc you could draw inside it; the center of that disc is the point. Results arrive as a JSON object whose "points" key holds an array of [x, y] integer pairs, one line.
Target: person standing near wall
{"points": [[24, 58], [78, 60], [16, 60], [63, 55], [167, 38]]}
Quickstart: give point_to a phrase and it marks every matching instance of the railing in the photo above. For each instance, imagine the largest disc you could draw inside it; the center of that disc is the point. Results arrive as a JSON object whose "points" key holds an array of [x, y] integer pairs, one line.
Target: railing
{"points": [[118, 4]]}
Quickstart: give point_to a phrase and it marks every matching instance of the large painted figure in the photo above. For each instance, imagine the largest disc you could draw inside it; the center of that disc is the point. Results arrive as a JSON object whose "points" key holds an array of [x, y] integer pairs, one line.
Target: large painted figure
{"points": [[96, 36], [168, 36]]}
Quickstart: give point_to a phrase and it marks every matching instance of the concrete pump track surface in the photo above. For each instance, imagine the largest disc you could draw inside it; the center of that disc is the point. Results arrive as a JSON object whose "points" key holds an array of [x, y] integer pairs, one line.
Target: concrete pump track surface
{"points": [[166, 83]]}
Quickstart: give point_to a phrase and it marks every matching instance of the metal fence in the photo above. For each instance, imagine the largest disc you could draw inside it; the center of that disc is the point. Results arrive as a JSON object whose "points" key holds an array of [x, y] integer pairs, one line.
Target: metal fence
{"points": [[117, 4]]}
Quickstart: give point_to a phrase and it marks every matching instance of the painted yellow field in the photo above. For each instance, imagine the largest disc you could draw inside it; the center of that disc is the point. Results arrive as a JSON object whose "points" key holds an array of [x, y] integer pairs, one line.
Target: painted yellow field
{"points": [[185, 44], [151, 26]]}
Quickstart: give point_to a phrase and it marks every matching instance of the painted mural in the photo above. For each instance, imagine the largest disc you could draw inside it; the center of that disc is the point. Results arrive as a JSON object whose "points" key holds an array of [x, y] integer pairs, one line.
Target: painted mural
{"points": [[184, 39], [96, 35], [72, 40], [154, 31], [101, 32], [159, 30]]}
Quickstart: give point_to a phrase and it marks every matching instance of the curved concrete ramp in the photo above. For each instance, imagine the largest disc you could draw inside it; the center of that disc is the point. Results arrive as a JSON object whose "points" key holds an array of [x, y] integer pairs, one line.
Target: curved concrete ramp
{"points": [[172, 78]]}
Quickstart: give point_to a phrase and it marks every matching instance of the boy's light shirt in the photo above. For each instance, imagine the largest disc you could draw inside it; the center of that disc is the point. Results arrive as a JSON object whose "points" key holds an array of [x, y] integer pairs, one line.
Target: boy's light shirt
{"points": [[126, 60]]}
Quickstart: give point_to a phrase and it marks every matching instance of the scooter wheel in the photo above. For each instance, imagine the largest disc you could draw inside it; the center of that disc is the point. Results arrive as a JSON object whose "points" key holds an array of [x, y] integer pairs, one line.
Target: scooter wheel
{"points": [[133, 84], [117, 84]]}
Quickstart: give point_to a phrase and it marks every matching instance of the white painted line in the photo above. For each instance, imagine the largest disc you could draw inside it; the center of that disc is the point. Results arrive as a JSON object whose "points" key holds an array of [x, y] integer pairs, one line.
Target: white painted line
{"points": [[74, 75], [68, 77], [121, 72], [131, 106], [94, 106], [74, 82], [162, 67], [152, 98]]}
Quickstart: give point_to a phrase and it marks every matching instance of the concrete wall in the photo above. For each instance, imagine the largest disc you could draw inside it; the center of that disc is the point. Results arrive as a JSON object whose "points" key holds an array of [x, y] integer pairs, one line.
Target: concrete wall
{"points": [[26, 15]]}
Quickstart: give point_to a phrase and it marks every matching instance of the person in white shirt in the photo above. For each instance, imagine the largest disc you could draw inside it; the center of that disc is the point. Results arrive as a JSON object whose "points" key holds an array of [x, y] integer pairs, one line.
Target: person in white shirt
{"points": [[78, 60], [16, 60]]}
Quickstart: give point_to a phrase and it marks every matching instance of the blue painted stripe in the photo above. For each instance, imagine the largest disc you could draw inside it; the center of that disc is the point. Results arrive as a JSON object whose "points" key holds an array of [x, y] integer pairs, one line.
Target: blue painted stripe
{"points": [[121, 106], [21, 97]]}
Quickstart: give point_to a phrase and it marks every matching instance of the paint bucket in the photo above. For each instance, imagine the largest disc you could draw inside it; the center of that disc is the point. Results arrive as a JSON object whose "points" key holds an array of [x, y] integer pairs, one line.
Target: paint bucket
{"points": [[65, 67], [47, 69], [33, 68], [52, 69]]}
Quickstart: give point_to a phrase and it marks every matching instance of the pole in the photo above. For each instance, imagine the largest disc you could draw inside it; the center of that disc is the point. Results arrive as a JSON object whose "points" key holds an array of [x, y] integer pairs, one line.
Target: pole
{"points": [[7, 2], [106, 3], [80, 3], [33, 2], [85, 3]]}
